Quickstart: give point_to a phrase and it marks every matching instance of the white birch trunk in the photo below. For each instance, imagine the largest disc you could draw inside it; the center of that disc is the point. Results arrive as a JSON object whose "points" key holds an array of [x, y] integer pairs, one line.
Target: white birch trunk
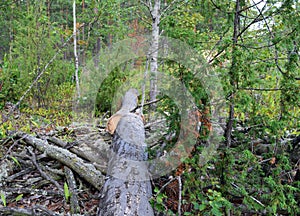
{"points": [[75, 50], [155, 14]]}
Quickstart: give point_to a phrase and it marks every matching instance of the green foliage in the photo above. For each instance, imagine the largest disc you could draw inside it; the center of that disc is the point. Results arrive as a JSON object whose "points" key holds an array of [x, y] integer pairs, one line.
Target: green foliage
{"points": [[116, 82], [34, 44], [261, 70], [66, 192], [3, 199], [19, 197], [158, 200], [16, 161]]}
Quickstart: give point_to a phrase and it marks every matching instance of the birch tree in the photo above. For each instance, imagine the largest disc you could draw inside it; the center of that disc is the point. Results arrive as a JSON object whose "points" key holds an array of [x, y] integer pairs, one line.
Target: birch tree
{"points": [[156, 14], [75, 49], [154, 10]]}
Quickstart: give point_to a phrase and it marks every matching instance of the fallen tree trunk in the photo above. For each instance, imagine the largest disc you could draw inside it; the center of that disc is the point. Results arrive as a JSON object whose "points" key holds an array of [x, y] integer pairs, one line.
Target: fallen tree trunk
{"points": [[127, 188]]}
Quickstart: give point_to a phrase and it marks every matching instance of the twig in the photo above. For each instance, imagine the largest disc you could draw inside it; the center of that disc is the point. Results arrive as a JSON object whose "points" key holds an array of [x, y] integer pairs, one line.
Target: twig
{"points": [[28, 190], [18, 174], [42, 208], [261, 89], [251, 6], [146, 104], [256, 200], [73, 193], [169, 6], [43, 174], [179, 194], [266, 160], [165, 185], [150, 124], [272, 36], [13, 145], [145, 4]]}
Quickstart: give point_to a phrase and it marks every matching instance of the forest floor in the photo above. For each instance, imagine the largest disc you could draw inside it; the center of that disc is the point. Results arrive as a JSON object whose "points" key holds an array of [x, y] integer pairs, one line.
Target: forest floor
{"points": [[55, 170], [36, 182]]}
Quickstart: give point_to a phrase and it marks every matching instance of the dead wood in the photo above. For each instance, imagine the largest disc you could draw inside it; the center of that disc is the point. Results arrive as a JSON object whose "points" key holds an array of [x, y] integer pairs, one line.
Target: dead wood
{"points": [[86, 170], [127, 188], [89, 145], [129, 102], [43, 174], [72, 190], [36, 211]]}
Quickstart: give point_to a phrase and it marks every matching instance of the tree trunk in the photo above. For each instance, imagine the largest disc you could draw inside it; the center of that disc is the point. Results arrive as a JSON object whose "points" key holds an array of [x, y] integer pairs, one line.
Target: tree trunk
{"points": [[75, 50], [127, 189], [155, 14]]}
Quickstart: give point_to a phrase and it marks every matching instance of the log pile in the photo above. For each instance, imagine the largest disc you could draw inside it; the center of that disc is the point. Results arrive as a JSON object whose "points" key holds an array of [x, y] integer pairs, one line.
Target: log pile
{"points": [[44, 174], [62, 172]]}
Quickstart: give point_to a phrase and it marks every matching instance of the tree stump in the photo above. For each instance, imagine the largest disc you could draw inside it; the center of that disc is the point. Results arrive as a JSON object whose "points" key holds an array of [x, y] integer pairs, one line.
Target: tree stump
{"points": [[127, 188]]}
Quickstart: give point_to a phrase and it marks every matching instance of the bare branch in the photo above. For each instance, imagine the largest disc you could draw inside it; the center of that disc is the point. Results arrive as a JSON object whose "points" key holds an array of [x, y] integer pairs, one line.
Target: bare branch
{"points": [[43, 174], [165, 185], [73, 190], [260, 89], [179, 194], [253, 198], [219, 53], [272, 36], [251, 6], [257, 19], [147, 5]]}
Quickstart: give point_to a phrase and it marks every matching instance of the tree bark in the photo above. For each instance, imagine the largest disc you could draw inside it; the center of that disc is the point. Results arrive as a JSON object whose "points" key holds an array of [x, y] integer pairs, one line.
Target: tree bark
{"points": [[127, 189], [155, 14], [75, 50]]}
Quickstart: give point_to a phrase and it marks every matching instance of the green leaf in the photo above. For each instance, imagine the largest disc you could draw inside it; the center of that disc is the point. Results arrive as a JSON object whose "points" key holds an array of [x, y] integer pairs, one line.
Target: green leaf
{"points": [[16, 161], [216, 212], [19, 197], [3, 198], [202, 207], [160, 198], [67, 192]]}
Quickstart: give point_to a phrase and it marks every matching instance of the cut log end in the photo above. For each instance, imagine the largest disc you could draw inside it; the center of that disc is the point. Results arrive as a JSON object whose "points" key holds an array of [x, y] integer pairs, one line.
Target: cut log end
{"points": [[113, 123]]}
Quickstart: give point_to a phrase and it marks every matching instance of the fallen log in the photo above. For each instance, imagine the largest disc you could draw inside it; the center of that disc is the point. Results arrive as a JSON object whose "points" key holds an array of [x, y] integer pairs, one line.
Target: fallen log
{"points": [[127, 188]]}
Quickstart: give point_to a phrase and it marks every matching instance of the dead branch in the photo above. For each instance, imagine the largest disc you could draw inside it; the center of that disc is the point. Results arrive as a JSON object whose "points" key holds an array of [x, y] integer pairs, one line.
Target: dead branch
{"points": [[179, 194], [73, 191], [85, 170], [43, 174], [28, 190], [36, 211]]}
